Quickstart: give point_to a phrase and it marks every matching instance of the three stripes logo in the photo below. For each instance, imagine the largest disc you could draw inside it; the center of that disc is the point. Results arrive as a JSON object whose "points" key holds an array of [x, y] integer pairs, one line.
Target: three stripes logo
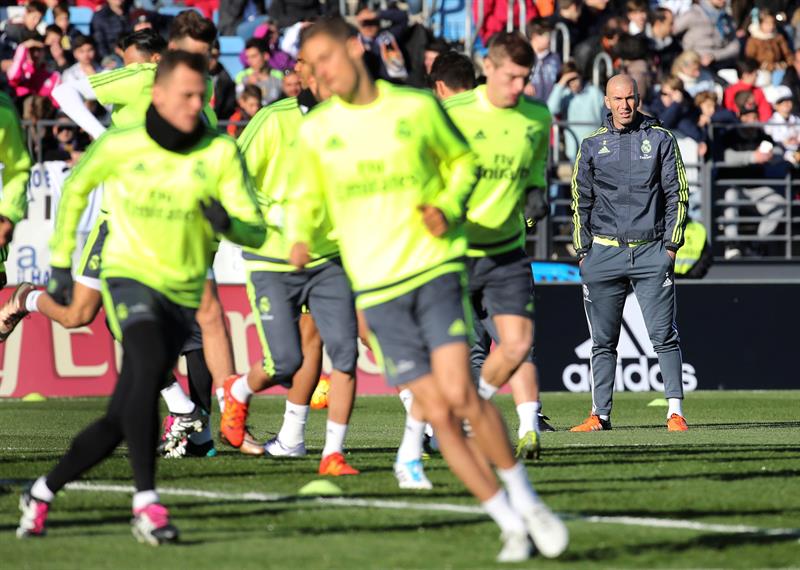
{"points": [[637, 362]]}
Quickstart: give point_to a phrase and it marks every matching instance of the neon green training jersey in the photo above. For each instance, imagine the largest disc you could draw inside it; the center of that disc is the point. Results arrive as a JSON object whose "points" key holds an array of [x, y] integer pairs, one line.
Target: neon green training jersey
{"points": [[130, 90], [373, 166], [511, 145], [15, 168], [267, 143], [157, 232]]}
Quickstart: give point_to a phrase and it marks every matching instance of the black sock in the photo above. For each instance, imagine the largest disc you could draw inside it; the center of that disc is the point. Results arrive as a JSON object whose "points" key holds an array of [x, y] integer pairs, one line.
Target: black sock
{"points": [[200, 381]]}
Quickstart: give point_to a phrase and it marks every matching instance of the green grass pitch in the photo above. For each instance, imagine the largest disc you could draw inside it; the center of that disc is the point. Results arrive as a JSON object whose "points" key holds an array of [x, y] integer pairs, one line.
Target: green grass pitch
{"points": [[739, 465]]}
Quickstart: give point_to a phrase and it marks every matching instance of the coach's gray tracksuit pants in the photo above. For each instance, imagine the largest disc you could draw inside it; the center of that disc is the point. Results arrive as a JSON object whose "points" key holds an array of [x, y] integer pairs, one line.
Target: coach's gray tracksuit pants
{"points": [[607, 273]]}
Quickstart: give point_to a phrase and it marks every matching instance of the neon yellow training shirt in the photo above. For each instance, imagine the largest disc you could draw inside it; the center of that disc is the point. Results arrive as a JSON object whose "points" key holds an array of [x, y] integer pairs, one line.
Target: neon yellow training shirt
{"points": [[373, 166], [158, 234], [267, 144], [130, 90], [511, 145], [15, 161]]}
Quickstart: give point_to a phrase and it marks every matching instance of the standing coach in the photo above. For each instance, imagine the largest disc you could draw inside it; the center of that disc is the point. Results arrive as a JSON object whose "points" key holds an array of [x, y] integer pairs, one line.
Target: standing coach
{"points": [[629, 203]]}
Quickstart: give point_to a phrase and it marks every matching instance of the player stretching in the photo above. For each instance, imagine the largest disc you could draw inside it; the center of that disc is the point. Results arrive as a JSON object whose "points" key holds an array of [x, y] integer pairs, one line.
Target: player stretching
{"points": [[128, 90], [372, 157], [277, 293], [170, 178], [510, 134], [15, 167]]}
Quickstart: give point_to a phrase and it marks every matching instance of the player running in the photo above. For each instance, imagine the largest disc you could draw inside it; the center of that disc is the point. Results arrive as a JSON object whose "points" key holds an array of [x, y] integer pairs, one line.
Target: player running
{"points": [[15, 167], [510, 135], [371, 157], [278, 292], [172, 181]]}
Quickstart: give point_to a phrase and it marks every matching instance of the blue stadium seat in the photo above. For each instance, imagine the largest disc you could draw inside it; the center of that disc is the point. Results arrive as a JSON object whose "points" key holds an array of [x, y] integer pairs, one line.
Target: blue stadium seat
{"points": [[229, 49], [450, 19], [81, 17], [215, 17]]}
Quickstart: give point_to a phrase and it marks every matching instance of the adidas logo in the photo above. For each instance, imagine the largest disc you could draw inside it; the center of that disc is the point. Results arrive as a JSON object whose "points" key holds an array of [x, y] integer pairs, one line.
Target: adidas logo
{"points": [[637, 362], [667, 282], [604, 149], [480, 136]]}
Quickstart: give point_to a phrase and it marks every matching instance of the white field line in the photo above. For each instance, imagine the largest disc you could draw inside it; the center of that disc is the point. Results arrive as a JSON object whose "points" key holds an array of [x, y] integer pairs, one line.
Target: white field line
{"points": [[436, 507]]}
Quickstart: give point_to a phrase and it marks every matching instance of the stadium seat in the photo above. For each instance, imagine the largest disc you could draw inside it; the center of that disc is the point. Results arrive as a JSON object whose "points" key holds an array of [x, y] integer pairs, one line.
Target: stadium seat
{"points": [[81, 17], [450, 19], [229, 49]]}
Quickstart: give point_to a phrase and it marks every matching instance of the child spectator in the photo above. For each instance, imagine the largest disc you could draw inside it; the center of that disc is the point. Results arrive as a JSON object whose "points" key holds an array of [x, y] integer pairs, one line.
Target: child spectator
{"points": [[61, 19], [636, 12], [695, 79], [784, 127], [58, 58], [548, 65], [249, 103], [676, 110], [748, 73], [766, 45], [258, 72], [29, 74], [713, 121], [85, 64]]}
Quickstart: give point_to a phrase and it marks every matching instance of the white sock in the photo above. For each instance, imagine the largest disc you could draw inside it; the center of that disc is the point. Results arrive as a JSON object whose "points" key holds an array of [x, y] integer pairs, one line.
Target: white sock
{"points": [[220, 392], [407, 398], [241, 389], [528, 413], [293, 430], [603, 417], [177, 400], [501, 511], [522, 495], [334, 438], [486, 390], [41, 491], [411, 446], [144, 498], [201, 437], [675, 407], [30, 302]]}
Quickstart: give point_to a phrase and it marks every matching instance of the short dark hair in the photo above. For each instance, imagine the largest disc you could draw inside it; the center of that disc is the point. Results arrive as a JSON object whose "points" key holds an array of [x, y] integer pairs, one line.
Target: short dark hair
{"points": [[454, 69], [81, 41], [636, 6], [332, 26], [190, 24], [258, 43], [540, 27], [174, 58], [61, 8], [746, 65], [660, 14], [252, 91], [513, 46], [148, 42], [36, 6], [54, 29]]}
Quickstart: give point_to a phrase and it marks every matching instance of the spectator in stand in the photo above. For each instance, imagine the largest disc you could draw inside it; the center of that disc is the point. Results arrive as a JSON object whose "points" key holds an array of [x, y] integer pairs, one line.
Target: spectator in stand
{"points": [[713, 121], [290, 12], [258, 72], [569, 13], [547, 66], [576, 101], [29, 73], [234, 12], [58, 58], [791, 79], [631, 56], [15, 33], [637, 14], [65, 142], [594, 15], [433, 49], [607, 41], [766, 44], [224, 87], [36, 108], [750, 153], [249, 103], [291, 85], [784, 127], [676, 111], [710, 31], [383, 56], [495, 16], [61, 19], [664, 48], [85, 63], [110, 23], [748, 73], [695, 79]]}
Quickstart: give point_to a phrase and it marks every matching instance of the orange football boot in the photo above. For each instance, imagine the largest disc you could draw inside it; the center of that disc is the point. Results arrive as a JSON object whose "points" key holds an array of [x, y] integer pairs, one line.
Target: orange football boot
{"points": [[232, 426], [677, 422], [592, 423], [335, 465]]}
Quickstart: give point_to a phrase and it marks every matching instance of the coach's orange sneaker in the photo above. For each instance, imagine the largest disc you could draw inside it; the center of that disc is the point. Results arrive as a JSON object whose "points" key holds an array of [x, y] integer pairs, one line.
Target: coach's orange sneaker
{"points": [[335, 465], [319, 399], [232, 426], [677, 422], [593, 423]]}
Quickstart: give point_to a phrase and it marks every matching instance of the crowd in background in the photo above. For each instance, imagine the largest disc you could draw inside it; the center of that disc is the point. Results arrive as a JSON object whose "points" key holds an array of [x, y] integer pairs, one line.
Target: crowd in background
{"points": [[711, 70]]}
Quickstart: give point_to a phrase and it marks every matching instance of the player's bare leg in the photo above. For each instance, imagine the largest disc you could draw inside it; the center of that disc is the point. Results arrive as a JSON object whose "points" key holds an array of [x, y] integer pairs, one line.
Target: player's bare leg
{"points": [[217, 348], [516, 338]]}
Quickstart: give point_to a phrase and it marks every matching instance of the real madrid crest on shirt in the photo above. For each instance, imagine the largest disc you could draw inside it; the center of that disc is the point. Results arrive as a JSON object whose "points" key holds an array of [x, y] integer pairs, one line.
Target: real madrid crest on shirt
{"points": [[646, 149]]}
